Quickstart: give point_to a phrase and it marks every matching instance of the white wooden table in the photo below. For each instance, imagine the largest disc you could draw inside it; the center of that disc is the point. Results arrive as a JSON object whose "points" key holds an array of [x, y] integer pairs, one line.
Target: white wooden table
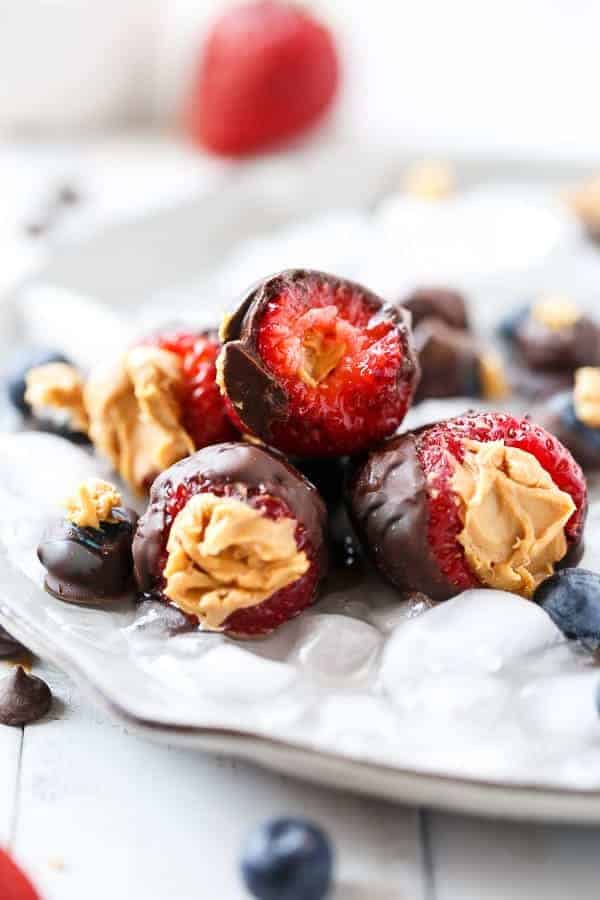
{"points": [[94, 812]]}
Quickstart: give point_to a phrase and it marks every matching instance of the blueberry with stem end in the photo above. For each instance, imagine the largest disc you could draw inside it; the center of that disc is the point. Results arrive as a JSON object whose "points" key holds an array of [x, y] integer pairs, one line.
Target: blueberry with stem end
{"points": [[287, 859]]}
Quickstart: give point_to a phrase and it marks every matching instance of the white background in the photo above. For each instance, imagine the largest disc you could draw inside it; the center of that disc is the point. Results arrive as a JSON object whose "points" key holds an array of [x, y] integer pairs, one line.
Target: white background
{"points": [[517, 77]]}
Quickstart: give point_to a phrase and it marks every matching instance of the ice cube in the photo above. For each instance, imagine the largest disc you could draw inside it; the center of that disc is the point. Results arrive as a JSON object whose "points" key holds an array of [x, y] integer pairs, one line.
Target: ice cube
{"points": [[477, 631]]}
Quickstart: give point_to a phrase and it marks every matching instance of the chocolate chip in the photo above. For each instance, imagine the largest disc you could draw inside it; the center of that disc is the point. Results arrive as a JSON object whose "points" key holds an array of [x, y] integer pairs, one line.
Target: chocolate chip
{"points": [[8, 645], [23, 698]]}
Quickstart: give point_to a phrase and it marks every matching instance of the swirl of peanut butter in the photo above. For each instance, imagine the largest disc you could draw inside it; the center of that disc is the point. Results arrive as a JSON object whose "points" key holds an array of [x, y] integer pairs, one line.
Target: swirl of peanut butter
{"points": [[586, 396], [225, 555], [131, 409], [58, 386], [513, 516]]}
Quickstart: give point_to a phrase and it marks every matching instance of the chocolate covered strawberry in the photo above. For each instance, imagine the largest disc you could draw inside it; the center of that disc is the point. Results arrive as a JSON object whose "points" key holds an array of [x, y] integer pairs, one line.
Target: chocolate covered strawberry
{"points": [[235, 538], [14, 885], [483, 500], [153, 405], [316, 365], [203, 411], [269, 71]]}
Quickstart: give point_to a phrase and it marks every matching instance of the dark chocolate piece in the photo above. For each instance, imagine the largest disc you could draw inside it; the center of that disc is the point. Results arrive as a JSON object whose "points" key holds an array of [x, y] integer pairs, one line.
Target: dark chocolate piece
{"points": [[558, 416], [90, 566], [449, 360], [254, 392], [547, 349], [327, 475], [438, 303], [536, 385], [23, 698], [222, 464], [388, 507]]}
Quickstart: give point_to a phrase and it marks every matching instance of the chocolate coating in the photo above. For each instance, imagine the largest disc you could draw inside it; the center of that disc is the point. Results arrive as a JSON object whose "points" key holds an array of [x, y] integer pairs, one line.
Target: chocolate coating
{"points": [[536, 385], [388, 506], [387, 500], [449, 361], [90, 566], [23, 698], [543, 348], [557, 415], [327, 475], [222, 464], [253, 390], [8, 645], [438, 303]]}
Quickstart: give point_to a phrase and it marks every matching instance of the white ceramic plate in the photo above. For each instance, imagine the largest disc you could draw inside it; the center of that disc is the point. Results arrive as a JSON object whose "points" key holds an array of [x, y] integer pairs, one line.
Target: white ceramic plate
{"points": [[341, 695]]}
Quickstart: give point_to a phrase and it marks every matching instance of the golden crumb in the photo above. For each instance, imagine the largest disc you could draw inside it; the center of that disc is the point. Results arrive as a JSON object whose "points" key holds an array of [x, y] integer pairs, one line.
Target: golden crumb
{"points": [[92, 503]]}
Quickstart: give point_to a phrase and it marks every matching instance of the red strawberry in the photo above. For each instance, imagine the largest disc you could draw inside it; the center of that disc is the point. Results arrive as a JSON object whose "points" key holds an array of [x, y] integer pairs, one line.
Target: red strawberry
{"points": [[205, 418], [13, 883], [317, 366], [254, 477], [268, 72], [410, 513]]}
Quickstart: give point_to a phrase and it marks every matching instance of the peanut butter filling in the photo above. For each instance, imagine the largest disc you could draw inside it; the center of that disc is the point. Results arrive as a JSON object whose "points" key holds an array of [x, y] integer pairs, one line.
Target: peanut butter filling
{"points": [[494, 385], [586, 396], [320, 355], [430, 180], [225, 555], [130, 410], [135, 414], [556, 312], [92, 503], [513, 516], [58, 386]]}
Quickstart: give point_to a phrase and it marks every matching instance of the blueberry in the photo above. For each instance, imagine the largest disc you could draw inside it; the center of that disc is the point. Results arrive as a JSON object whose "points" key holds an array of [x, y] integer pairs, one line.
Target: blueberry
{"points": [[572, 600], [18, 368], [563, 405], [509, 325], [287, 859]]}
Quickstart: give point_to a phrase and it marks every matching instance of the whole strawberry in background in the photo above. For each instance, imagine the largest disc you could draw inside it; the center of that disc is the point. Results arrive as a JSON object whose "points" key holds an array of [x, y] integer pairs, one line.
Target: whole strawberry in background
{"points": [[268, 72], [13, 883]]}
